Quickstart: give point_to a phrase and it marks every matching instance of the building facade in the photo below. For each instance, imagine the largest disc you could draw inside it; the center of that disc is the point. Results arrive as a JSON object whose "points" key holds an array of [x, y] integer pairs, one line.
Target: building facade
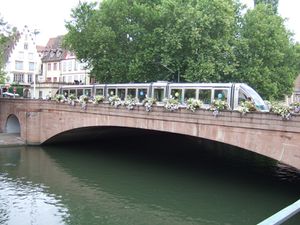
{"points": [[59, 67], [23, 62]]}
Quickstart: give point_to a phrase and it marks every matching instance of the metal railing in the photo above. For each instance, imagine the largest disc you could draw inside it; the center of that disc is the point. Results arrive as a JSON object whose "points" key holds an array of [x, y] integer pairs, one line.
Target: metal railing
{"points": [[283, 215]]}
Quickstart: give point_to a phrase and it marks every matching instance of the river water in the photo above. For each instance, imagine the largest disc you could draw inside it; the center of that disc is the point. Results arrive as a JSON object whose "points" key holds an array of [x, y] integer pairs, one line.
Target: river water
{"points": [[165, 180]]}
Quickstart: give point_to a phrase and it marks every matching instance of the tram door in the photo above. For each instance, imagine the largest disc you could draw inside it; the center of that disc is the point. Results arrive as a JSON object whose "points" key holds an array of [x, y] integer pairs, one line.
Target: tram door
{"points": [[121, 93], [159, 94]]}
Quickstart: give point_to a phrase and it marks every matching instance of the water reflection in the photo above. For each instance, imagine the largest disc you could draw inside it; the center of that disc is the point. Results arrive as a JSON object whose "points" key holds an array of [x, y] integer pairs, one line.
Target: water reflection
{"points": [[120, 184], [23, 202]]}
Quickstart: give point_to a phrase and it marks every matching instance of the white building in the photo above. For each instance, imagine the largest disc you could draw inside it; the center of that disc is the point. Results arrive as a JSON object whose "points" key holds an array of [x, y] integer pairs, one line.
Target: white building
{"points": [[59, 67], [23, 62], [73, 71]]}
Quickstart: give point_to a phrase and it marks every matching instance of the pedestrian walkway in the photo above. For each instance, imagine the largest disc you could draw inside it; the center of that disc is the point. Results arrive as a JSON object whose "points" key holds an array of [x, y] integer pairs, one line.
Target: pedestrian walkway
{"points": [[10, 140]]}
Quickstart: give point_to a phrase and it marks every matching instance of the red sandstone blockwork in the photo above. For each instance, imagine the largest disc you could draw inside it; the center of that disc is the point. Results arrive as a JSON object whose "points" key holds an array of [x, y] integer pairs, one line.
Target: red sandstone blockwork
{"points": [[263, 133]]}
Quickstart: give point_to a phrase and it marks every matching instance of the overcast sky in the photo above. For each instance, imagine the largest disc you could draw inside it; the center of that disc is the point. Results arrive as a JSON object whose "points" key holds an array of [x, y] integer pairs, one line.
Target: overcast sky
{"points": [[49, 16]]}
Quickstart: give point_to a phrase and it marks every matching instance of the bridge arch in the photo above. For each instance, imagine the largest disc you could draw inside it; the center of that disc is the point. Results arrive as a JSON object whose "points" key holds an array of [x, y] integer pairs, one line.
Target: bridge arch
{"points": [[12, 125]]}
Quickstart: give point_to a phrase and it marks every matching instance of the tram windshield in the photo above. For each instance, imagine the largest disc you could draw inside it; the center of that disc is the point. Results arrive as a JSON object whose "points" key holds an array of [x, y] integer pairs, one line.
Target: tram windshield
{"points": [[259, 103]]}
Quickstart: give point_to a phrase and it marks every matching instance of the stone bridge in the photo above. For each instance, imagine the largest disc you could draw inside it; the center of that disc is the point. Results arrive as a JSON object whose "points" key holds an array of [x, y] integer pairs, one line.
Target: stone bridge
{"points": [[267, 134]]}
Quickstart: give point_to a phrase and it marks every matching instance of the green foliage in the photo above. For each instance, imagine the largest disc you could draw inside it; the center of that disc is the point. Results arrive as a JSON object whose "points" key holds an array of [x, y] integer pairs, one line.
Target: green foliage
{"points": [[219, 105], [6, 34], [98, 99], [59, 98], [281, 110], [246, 106], [138, 41], [148, 103], [19, 89], [171, 104], [193, 104], [272, 3], [3, 41], [192, 40], [267, 58]]}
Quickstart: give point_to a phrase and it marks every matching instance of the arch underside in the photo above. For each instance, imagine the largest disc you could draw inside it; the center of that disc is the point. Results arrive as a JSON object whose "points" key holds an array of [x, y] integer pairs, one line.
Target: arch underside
{"points": [[96, 134]]}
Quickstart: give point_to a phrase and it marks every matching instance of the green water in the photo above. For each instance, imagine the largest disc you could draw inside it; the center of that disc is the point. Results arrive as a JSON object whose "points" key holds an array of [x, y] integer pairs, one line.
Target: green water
{"points": [[141, 182]]}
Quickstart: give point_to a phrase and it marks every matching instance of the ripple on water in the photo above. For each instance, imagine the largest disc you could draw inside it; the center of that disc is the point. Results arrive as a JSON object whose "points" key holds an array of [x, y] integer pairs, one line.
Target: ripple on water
{"points": [[25, 203]]}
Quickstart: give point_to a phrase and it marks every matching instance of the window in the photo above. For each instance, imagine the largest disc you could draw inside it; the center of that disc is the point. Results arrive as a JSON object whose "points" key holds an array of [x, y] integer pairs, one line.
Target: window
{"points": [[31, 66], [70, 65], [79, 92], [48, 79], [75, 65], [99, 91], [18, 77], [49, 66], [30, 56], [142, 94], [177, 94], [19, 65], [29, 78], [72, 92], [221, 94], [20, 55], [189, 93], [82, 66], [55, 79], [88, 92], [131, 93], [54, 66], [111, 92], [25, 45], [205, 96], [64, 66]]}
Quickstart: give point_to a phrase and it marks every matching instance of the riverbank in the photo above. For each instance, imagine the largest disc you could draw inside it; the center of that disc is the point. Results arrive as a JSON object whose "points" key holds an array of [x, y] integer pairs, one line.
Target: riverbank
{"points": [[10, 140]]}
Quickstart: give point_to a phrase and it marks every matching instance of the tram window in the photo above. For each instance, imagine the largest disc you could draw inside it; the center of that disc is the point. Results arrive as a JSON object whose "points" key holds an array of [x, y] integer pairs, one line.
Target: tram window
{"points": [[131, 93], [72, 92], [242, 97], [111, 92], [142, 94], [65, 93], [221, 94], [99, 91], [121, 93], [79, 92], [158, 94], [189, 93], [205, 96], [176, 93], [88, 92]]}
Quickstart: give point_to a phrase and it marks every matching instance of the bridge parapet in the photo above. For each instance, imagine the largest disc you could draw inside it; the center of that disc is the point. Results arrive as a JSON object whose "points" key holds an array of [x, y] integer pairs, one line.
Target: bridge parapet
{"points": [[263, 133]]}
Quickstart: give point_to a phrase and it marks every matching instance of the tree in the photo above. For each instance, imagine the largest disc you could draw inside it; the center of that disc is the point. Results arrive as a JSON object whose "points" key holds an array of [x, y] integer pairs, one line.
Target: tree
{"points": [[191, 40], [7, 33], [273, 3], [137, 41], [267, 56], [3, 41]]}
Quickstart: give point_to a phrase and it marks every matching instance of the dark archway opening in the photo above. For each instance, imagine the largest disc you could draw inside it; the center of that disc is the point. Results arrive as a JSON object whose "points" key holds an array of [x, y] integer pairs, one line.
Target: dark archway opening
{"points": [[12, 125]]}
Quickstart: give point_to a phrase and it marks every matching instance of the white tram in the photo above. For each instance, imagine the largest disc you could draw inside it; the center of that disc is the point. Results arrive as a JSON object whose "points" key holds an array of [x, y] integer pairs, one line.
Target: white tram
{"points": [[233, 93]]}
